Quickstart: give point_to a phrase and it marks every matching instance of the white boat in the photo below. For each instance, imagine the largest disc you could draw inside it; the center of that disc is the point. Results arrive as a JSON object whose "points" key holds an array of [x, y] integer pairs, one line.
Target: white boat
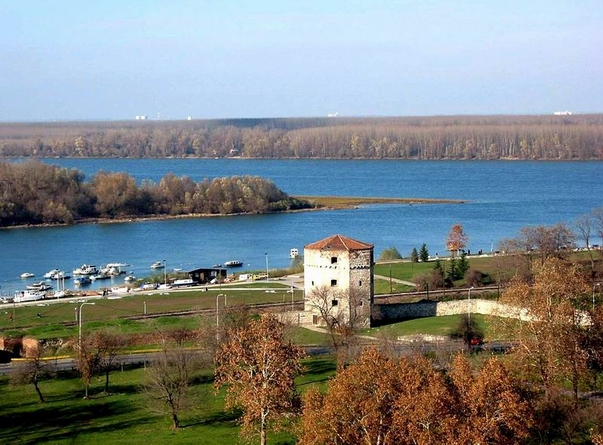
{"points": [[119, 290], [27, 275], [28, 295], [157, 265], [51, 273], [233, 263], [82, 280], [41, 286], [183, 282], [114, 269], [130, 278], [86, 269], [60, 275]]}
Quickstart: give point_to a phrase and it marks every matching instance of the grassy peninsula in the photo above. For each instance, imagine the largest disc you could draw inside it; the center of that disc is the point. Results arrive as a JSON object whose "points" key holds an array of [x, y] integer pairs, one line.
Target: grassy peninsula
{"points": [[347, 202]]}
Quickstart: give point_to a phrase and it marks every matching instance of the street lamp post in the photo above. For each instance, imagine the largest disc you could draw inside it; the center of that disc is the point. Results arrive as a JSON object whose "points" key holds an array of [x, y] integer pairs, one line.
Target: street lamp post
{"points": [[594, 285], [267, 275], [469, 305], [390, 279], [79, 321], [165, 272]]}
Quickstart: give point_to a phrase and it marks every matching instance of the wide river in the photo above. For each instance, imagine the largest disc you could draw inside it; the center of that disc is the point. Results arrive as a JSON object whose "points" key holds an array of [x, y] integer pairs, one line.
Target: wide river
{"points": [[501, 198]]}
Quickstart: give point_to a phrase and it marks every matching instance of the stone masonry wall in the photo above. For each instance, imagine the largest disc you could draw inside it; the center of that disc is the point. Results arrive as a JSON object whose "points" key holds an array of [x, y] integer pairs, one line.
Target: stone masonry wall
{"points": [[404, 311]]}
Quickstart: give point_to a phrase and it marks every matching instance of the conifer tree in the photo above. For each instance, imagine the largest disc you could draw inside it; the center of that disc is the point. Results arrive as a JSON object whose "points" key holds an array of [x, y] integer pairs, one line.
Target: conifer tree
{"points": [[424, 253]]}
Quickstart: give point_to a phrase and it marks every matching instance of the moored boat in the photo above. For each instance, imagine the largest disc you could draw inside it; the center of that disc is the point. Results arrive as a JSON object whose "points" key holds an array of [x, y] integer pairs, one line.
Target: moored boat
{"points": [[82, 280], [114, 269], [60, 275], [41, 286], [28, 295], [157, 265], [233, 263], [27, 275], [85, 269], [100, 276], [51, 273]]}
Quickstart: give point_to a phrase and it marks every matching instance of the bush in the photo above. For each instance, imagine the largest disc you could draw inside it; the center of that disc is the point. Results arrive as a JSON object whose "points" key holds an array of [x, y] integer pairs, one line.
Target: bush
{"points": [[390, 254], [478, 278]]}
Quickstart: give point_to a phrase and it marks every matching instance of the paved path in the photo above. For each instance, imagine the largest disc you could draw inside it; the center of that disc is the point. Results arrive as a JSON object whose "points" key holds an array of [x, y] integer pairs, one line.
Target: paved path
{"points": [[396, 280]]}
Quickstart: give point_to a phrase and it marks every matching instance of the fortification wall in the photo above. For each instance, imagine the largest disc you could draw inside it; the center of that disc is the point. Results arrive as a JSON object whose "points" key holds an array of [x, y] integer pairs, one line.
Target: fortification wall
{"points": [[404, 311]]}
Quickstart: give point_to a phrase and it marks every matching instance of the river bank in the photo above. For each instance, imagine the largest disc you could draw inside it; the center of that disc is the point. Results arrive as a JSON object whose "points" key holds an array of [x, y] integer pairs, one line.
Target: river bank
{"points": [[321, 203]]}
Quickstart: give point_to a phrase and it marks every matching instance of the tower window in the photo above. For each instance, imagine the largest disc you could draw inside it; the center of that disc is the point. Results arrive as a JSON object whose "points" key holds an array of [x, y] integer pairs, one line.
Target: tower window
{"points": [[333, 260], [333, 302], [333, 283], [360, 283]]}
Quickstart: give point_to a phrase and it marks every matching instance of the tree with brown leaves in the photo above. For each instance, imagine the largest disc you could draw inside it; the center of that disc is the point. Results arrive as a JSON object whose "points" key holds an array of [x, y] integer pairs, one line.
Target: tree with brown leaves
{"points": [[456, 240], [493, 407], [551, 333], [382, 400], [258, 367]]}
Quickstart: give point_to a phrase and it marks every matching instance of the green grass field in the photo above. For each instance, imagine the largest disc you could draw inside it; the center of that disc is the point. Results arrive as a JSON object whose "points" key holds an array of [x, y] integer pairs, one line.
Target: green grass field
{"points": [[54, 315], [123, 416]]}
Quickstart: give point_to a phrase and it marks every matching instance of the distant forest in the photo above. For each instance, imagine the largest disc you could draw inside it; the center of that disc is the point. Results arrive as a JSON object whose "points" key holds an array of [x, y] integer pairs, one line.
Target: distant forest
{"points": [[36, 193], [573, 137]]}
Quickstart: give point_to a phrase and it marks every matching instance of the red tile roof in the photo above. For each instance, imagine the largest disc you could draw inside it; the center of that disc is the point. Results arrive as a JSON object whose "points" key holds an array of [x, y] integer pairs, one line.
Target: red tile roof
{"points": [[339, 242]]}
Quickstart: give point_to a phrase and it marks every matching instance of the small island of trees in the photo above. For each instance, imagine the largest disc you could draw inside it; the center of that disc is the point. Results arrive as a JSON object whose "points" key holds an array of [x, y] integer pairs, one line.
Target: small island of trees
{"points": [[34, 193]]}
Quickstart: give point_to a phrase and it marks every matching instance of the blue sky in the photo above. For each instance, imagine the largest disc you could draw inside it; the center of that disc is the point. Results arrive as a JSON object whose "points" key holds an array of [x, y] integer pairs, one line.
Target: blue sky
{"points": [[230, 58]]}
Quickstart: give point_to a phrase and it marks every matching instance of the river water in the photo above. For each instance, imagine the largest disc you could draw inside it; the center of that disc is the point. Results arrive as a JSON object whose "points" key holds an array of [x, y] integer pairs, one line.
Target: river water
{"points": [[501, 198]]}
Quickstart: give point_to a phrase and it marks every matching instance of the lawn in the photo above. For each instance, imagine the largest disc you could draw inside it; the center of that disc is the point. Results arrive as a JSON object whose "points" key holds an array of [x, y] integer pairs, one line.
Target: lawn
{"points": [[432, 326], [50, 323], [123, 416]]}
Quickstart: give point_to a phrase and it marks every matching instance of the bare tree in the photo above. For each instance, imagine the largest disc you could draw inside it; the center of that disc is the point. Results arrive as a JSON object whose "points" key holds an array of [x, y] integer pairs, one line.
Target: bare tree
{"points": [[341, 315], [584, 225], [169, 376], [108, 346], [31, 371], [598, 222], [87, 362]]}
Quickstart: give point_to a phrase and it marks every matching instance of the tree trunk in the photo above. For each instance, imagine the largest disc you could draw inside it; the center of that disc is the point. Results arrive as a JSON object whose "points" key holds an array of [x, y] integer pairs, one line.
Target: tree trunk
{"points": [[175, 421], [39, 392], [263, 430], [107, 380]]}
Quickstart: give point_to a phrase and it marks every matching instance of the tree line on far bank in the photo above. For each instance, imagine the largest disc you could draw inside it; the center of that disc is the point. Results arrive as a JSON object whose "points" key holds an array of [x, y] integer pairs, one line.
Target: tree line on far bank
{"points": [[36, 193], [576, 137]]}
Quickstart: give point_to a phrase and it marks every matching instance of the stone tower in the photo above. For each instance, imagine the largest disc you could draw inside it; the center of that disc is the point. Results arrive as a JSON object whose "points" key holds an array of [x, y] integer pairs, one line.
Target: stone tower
{"points": [[338, 280]]}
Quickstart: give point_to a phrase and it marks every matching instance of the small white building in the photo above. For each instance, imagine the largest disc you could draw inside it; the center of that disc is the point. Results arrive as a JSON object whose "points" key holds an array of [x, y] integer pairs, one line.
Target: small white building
{"points": [[338, 280]]}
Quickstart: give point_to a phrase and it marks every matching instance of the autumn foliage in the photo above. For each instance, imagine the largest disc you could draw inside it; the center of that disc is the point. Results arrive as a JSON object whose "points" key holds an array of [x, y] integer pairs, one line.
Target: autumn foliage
{"points": [[382, 400], [37, 193], [258, 367], [457, 239]]}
